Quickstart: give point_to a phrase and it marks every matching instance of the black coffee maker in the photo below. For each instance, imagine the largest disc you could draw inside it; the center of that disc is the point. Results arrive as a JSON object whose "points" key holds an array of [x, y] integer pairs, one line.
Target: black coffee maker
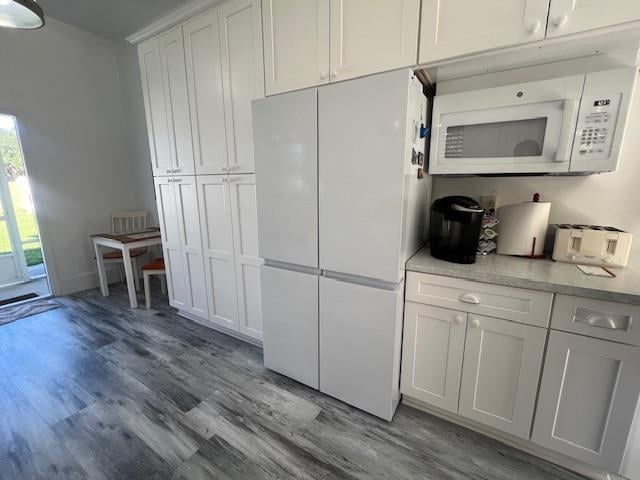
{"points": [[455, 229]]}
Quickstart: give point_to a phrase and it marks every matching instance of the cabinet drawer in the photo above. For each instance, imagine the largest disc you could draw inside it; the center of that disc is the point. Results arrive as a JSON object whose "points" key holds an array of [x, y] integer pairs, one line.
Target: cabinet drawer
{"points": [[517, 304], [618, 322]]}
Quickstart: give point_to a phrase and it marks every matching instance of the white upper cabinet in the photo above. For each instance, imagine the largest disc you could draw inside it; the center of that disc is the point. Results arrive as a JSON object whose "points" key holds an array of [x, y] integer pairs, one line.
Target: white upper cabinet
{"points": [[242, 77], [452, 28], [206, 100], [176, 101], [573, 16], [154, 103], [588, 399], [296, 44], [242, 189], [369, 36], [502, 362], [432, 354]]}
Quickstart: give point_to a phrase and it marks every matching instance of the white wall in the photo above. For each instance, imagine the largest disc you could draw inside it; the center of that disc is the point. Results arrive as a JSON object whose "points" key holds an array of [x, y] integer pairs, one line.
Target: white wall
{"points": [[604, 199], [136, 126], [63, 85]]}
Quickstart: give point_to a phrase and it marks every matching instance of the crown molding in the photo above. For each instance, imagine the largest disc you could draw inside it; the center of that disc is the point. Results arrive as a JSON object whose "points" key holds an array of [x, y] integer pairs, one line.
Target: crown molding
{"points": [[171, 19]]}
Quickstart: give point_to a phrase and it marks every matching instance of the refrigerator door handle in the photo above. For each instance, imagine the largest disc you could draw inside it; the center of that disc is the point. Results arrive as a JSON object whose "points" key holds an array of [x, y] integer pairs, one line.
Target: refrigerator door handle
{"points": [[292, 267]]}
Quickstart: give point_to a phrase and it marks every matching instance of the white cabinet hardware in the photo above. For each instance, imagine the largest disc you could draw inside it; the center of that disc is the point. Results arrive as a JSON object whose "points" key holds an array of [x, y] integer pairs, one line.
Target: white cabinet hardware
{"points": [[560, 20], [534, 27], [475, 323], [469, 298]]}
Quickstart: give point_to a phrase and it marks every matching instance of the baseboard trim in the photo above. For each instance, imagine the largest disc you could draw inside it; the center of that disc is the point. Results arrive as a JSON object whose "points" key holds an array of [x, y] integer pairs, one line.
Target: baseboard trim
{"points": [[218, 328], [521, 444]]}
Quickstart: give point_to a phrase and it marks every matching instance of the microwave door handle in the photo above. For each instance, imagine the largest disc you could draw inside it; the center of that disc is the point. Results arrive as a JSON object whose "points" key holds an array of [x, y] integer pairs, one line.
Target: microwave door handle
{"points": [[565, 142]]}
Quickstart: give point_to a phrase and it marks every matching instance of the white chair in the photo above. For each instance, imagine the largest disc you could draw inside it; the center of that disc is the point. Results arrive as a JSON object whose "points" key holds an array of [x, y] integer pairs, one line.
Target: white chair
{"points": [[155, 267], [122, 223]]}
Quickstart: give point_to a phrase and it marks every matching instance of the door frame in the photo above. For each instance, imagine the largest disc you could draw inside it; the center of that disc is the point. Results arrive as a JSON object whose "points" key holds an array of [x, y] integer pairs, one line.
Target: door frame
{"points": [[23, 130]]}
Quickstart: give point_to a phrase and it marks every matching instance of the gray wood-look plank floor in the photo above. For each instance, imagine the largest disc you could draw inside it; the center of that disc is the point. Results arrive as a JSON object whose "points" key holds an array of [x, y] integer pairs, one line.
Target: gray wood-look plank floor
{"points": [[96, 390]]}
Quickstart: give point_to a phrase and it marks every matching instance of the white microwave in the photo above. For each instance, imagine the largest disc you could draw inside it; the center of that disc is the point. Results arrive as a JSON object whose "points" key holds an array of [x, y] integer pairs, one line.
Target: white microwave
{"points": [[571, 124]]}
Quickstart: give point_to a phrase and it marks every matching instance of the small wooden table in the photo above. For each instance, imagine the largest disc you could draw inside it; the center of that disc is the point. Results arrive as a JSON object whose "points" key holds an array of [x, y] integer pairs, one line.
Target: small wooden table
{"points": [[125, 243]]}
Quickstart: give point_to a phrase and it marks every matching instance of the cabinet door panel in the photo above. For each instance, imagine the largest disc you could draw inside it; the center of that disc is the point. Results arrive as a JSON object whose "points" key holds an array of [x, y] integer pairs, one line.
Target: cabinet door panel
{"points": [[191, 245], [245, 246], [573, 16], [432, 354], [286, 135], [360, 343], [242, 75], [588, 398], [177, 101], [206, 99], [170, 230], [452, 28], [372, 36], [296, 44], [217, 239], [154, 103], [290, 309], [502, 362]]}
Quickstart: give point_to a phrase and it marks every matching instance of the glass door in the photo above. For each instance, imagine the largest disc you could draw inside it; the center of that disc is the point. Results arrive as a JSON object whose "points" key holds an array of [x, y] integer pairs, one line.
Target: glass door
{"points": [[520, 138], [13, 266]]}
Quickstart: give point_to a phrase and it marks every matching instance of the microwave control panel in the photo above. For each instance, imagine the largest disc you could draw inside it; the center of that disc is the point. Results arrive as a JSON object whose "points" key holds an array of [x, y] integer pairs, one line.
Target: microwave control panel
{"points": [[597, 126]]}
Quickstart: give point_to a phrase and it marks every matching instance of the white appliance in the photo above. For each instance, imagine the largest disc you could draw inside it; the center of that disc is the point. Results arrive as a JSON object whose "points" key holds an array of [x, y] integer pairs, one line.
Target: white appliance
{"points": [[341, 207], [571, 124], [592, 245], [523, 228]]}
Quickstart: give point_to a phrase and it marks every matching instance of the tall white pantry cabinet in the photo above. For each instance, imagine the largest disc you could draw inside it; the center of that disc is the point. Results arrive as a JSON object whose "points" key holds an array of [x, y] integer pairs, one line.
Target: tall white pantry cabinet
{"points": [[198, 81]]}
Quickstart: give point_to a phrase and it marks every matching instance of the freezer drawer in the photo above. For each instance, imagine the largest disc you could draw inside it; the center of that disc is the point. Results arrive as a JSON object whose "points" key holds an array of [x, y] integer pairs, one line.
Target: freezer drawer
{"points": [[286, 146], [290, 323], [360, 341]]}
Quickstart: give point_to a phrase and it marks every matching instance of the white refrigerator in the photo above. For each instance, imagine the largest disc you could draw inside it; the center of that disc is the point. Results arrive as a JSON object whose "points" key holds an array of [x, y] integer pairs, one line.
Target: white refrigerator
{"points": [[341, 207]]}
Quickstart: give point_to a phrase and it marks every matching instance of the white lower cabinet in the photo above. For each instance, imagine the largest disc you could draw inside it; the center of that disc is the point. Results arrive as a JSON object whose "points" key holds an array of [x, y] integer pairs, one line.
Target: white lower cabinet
{"points": [[588, 399], [228, 219], [432, 352], [179, 224], [500, 375]]}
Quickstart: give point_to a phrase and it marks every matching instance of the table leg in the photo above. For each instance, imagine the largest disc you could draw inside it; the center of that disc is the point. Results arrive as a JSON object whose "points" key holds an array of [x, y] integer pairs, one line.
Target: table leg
{"points": [[102, 275], [128, 271]]}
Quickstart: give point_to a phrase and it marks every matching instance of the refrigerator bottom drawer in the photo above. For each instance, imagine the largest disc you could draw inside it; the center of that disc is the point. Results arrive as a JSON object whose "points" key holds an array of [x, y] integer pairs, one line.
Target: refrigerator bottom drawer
{"points": [[290, 323], [360, 342]]}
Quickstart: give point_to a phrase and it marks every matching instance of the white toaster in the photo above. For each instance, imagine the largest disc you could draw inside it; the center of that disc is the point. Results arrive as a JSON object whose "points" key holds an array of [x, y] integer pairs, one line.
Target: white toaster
{"points": [[592, 245]]}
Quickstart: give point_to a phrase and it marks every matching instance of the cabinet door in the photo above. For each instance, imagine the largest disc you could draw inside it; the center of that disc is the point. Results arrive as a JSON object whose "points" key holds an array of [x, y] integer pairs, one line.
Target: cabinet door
{"points": [[372, 36], [217, 240], [154, 106], [453, 28], [290, 310], [170, 230], [572, 16], [177, 101], [432, 354], [191, 245], [588, 398], [245, 247], [286, 135], [242, 77], [296, 44], [204, 76], [360, 343], [502, 362]]}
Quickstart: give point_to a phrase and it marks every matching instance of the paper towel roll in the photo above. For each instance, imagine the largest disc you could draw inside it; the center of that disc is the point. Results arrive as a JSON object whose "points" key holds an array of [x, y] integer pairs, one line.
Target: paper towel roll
{"points": [[523, 228]]}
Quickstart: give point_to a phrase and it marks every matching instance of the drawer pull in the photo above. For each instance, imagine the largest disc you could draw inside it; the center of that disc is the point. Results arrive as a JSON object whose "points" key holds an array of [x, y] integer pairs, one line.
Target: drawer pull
{"points": [[602, 320], [469, 298]]}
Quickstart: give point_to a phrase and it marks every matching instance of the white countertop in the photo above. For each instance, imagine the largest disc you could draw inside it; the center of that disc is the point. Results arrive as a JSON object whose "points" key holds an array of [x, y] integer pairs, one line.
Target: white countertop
{"points": [[535, 274]]}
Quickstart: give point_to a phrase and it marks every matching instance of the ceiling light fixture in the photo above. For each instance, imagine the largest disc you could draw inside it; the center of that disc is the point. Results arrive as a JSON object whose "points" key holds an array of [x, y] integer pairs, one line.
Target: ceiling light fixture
{"points": [[23, 14]]}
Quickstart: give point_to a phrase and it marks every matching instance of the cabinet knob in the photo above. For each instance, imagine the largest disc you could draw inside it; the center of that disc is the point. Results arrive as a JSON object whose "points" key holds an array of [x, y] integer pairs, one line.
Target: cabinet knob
{"points": [[459, 319], [475, 323], [560, 21], [324, 75], [534, 27], [334, 73]]}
